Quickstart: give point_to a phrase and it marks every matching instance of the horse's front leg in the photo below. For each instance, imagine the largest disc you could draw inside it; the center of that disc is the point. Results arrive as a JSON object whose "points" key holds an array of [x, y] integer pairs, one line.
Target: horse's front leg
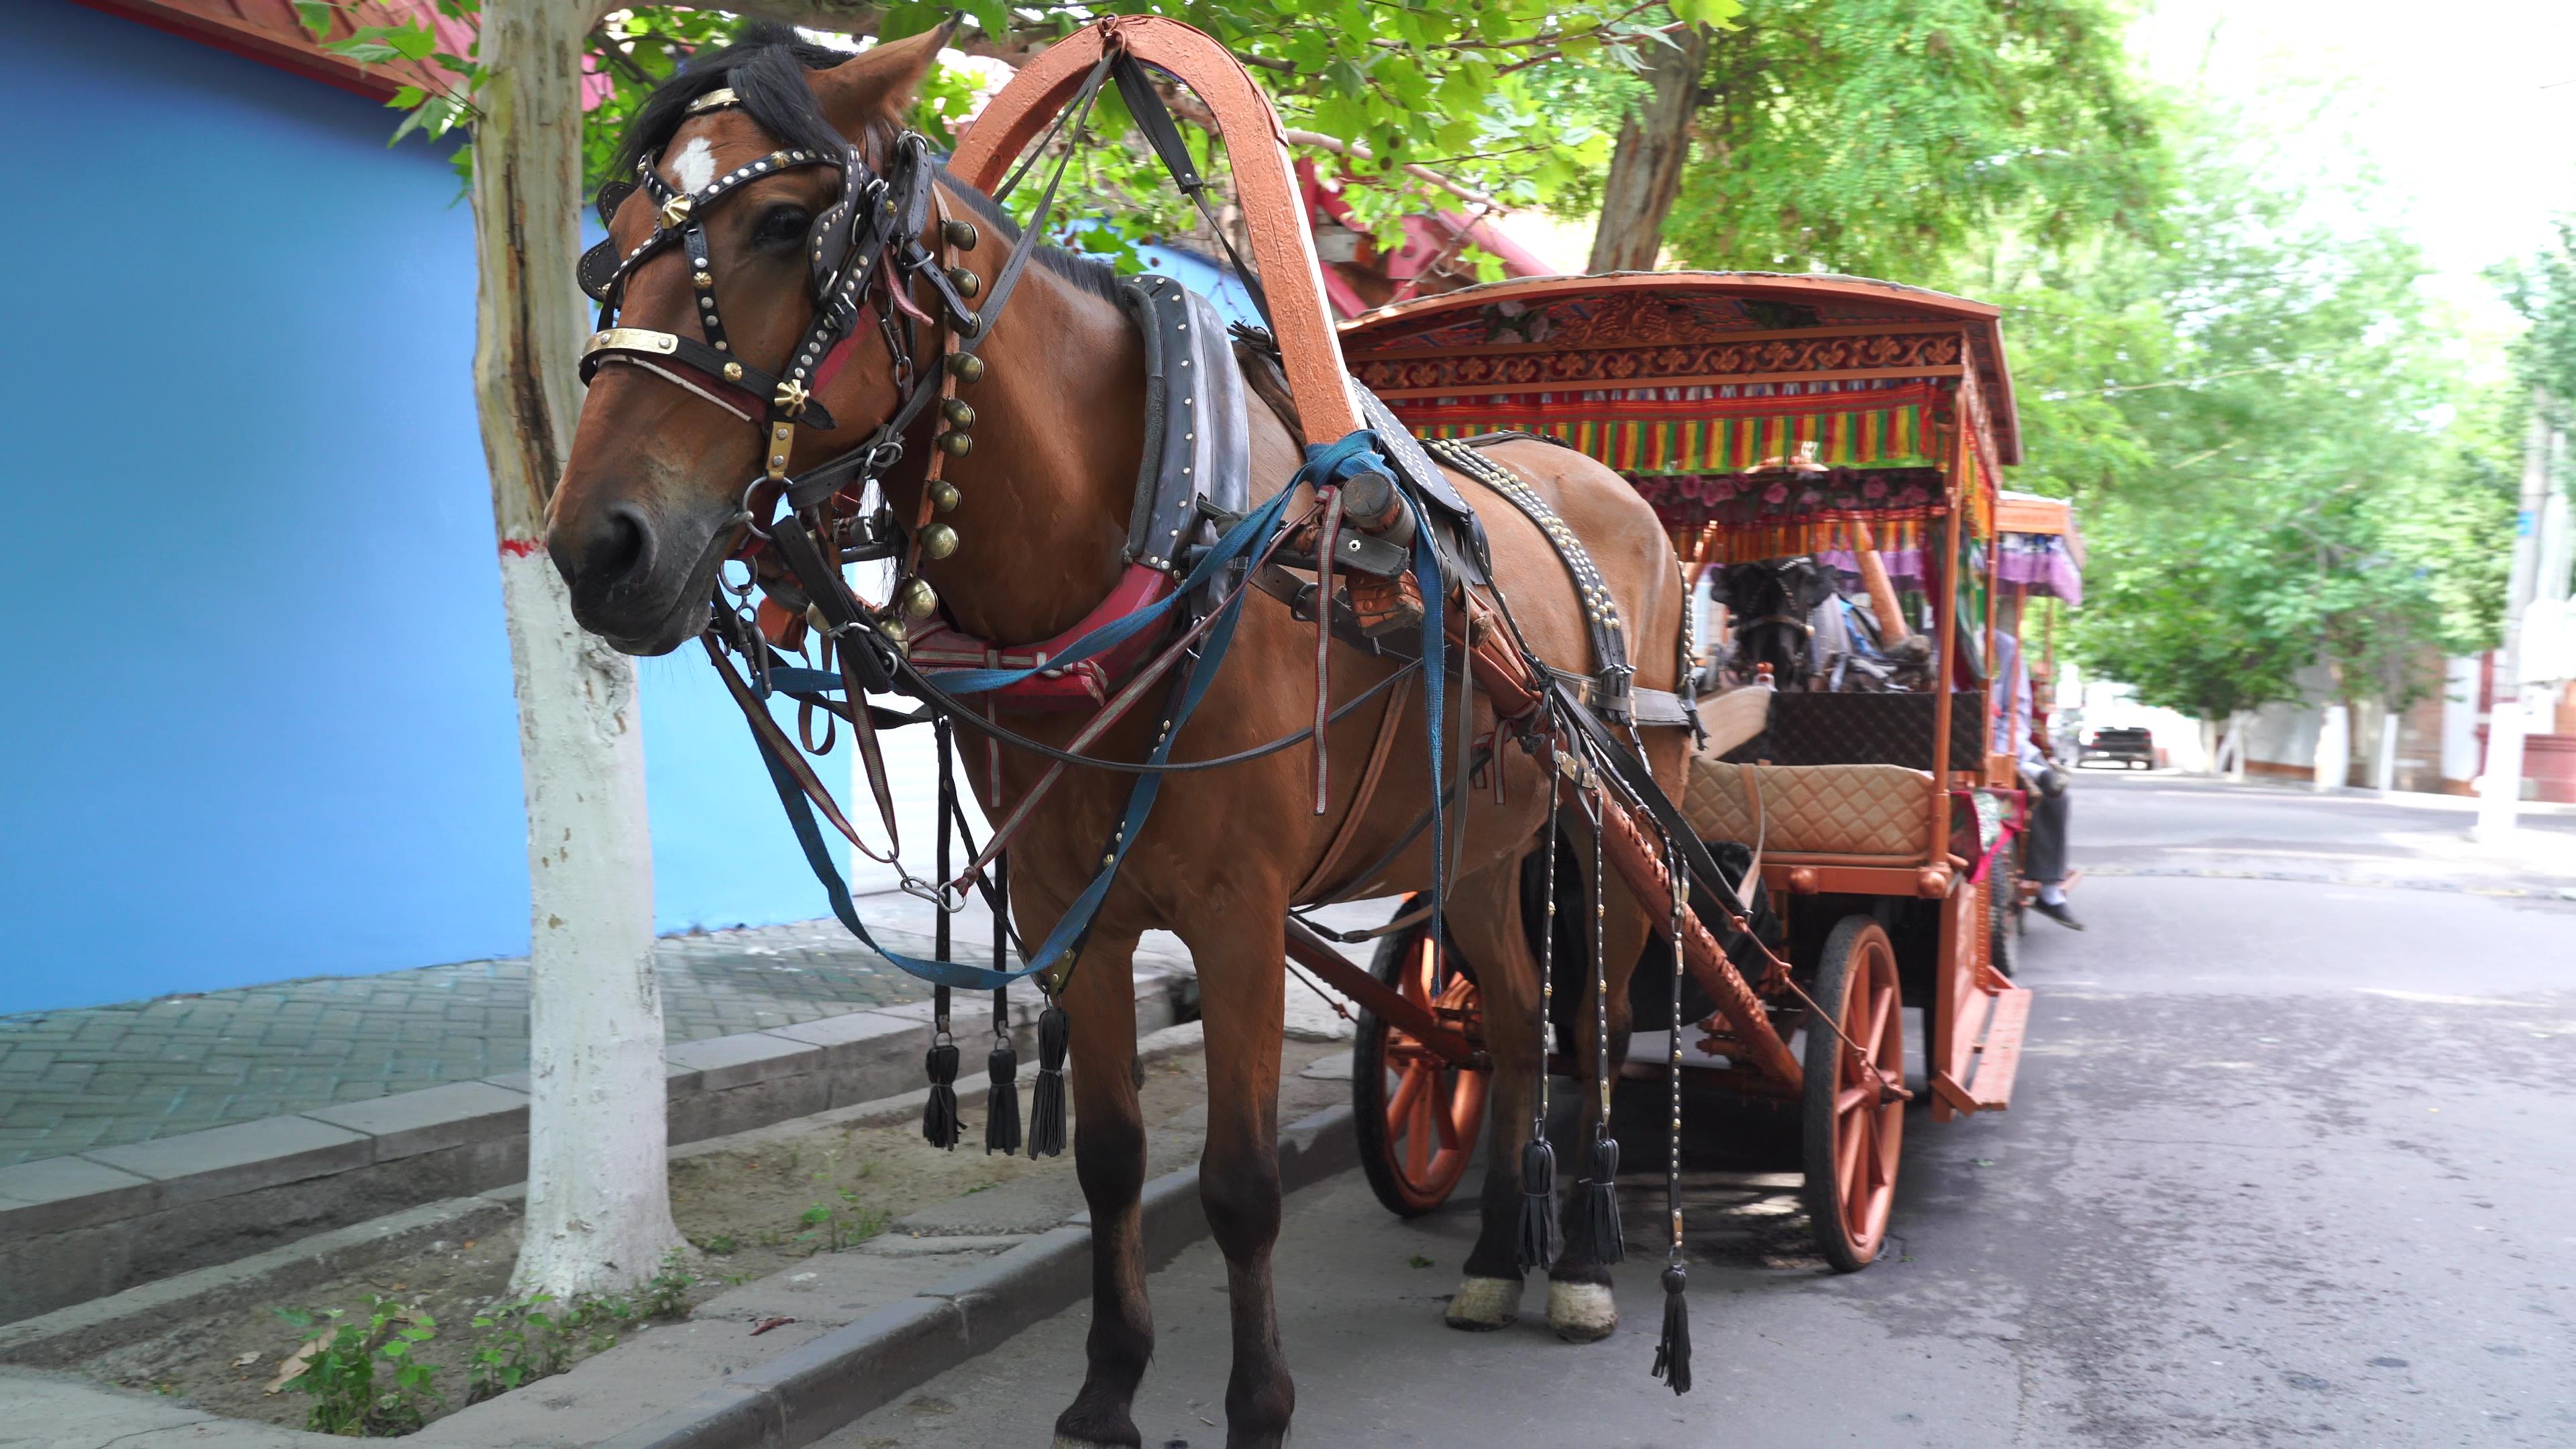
{"points": [[1241, 949], [1109, 1157]]}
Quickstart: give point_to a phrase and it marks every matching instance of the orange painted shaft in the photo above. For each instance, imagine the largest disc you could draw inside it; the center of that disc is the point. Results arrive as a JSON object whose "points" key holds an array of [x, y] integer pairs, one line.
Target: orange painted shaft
{"points": [[1282, 246]]}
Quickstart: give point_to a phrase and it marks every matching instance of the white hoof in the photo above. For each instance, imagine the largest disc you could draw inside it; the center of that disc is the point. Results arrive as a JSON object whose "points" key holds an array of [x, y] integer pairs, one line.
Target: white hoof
{"points": [[1485, 1304], [1582, 1312]]}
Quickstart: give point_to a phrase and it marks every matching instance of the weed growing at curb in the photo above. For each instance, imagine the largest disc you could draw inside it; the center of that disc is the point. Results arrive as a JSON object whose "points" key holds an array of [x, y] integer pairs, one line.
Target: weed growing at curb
{"points": [[340, 1370], [840, 1226]]}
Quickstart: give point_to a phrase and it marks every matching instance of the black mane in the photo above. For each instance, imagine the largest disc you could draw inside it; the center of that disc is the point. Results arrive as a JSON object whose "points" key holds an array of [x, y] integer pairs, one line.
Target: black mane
{"points": [[766, 68]]}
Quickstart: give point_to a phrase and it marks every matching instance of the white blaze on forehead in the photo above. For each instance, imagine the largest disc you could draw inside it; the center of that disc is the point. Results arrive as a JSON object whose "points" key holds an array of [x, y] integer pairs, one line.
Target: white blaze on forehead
{"points": [[695, 166]]}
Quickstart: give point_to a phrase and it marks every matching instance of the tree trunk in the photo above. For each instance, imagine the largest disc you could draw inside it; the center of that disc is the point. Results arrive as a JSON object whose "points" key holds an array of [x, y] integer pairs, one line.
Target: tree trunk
{"points": [[1646, 170], [599, 1212]]}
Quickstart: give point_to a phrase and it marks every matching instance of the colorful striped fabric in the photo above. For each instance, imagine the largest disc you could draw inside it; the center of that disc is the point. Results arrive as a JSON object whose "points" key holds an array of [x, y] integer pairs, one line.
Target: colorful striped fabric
{"points": [[1706, 434]]}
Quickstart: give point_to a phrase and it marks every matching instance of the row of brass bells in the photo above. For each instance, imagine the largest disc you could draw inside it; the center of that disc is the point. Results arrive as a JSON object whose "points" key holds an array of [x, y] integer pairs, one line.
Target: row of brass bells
{"points": [[914, 597]]}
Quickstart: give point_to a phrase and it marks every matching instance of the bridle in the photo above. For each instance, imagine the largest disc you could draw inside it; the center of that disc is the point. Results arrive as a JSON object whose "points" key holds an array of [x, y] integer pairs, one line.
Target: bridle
{"points": [[863, 254], [864, 248]]}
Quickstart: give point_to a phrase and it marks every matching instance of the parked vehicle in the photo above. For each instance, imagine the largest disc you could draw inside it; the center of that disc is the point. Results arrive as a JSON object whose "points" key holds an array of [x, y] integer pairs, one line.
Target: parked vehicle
{"points": [[2134, 748]]}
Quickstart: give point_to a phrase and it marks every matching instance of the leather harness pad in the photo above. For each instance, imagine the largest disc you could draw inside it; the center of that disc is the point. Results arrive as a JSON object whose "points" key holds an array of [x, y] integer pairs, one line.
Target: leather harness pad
{"points": [[1197, 439]]}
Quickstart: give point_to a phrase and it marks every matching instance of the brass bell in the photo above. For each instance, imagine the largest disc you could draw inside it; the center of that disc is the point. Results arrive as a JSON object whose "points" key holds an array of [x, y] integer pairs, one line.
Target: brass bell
{"points": [[959, 412], [916, 598], [966, 366], [960, 234], [966, 282], [944, 496], [892, 628], [956, 445], [938, 541]]}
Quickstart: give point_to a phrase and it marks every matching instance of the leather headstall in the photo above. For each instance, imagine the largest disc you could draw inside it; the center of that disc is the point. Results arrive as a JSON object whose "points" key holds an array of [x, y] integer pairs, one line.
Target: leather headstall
{"points": [[874, 221]]}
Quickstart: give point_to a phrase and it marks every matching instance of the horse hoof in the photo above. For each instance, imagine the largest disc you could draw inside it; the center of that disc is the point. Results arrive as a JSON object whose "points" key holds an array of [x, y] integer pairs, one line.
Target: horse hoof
{"points": [[1485, 1304], [1582, 1312]]}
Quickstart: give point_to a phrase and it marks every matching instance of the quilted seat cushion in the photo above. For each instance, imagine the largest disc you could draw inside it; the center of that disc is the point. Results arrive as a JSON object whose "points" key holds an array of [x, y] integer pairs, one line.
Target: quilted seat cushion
{"points": [[1870, 810]]}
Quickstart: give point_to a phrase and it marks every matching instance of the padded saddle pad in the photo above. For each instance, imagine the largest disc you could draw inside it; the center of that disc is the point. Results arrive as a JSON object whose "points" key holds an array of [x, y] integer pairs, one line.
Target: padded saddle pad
{"points": [[1872, 810]]}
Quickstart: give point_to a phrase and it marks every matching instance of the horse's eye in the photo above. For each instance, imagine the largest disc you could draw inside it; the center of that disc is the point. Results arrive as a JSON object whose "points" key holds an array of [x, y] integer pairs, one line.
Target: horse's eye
{"points": [[781, 226]]}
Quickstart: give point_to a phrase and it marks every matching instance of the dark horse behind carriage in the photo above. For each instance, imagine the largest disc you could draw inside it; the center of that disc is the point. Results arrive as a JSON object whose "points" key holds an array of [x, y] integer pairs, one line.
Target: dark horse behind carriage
{"points": [[1213, 637]]}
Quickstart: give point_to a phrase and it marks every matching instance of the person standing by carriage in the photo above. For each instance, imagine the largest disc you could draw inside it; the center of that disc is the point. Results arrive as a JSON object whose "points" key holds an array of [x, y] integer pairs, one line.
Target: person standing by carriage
{"points": [[2044, 859]]}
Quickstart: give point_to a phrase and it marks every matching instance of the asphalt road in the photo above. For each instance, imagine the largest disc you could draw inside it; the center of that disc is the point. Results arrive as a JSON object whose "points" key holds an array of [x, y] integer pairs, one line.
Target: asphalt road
{"points": [[2289, 1161]]}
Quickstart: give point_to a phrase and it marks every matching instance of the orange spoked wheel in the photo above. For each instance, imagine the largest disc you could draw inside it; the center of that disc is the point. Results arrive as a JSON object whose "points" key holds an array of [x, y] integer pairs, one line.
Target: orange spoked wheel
{"points": [[1853, 1127], [1417, 1116]]}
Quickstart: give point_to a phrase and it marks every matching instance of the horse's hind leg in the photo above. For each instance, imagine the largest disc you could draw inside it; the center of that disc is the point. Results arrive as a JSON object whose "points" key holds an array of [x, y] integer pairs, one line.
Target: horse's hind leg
{"points": [[1579, 1303], [1241, 951], [1484, 921], [1109, 1157]]}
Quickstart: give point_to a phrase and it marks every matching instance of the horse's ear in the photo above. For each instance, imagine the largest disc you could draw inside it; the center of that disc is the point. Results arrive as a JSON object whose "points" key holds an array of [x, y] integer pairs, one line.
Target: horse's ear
{"points": [[877, 86]]}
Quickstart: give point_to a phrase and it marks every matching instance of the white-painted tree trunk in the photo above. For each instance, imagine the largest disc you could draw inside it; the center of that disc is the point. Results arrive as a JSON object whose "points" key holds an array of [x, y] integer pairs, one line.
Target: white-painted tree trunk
{"points": [[599, 1213], [2333, 761]]}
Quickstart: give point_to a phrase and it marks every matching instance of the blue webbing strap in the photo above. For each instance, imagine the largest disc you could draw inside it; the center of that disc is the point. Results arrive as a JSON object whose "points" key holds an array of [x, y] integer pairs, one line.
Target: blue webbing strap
{"points": [[1140, 800], [1426, 575], [1325, 463], [1237, 542]]}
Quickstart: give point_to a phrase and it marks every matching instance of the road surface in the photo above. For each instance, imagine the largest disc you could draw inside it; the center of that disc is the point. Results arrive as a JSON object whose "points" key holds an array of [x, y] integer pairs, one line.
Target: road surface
{"points": [[2289, 1161]]}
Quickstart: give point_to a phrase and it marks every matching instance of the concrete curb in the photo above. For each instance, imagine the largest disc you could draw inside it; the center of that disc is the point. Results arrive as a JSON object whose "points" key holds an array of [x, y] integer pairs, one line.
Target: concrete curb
{"points": [[806, 1393], [81, 1228], [65, 1336]]}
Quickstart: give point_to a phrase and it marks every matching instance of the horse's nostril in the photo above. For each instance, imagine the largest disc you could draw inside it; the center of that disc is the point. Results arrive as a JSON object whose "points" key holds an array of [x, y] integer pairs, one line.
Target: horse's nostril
{"points": [[615, 548]]}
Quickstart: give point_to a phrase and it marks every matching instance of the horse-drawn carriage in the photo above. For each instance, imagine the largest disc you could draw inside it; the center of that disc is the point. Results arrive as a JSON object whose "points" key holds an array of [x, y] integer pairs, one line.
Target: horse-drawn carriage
{"points": [[1825, 865], [1765, 417]]}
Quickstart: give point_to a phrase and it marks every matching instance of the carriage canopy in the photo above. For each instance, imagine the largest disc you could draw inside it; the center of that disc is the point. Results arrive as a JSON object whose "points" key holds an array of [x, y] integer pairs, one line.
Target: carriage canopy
{"points": [[1762, 414]]}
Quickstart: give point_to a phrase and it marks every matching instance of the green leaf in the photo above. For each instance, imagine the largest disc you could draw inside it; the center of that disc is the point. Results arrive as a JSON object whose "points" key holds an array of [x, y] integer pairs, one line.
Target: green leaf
{"points": [[315, 16]]}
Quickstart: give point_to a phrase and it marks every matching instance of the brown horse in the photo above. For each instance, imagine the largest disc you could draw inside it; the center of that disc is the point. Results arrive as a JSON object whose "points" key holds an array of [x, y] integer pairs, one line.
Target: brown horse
{"points": [[648, 507]]}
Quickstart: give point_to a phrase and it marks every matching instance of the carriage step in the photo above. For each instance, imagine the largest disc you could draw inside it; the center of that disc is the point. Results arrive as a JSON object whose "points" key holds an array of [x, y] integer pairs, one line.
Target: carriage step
{"points": [[1999, 1055]]}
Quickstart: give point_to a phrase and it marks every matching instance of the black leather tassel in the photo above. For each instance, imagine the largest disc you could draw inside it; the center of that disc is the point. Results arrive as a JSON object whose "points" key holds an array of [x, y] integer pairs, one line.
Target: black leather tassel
{"points": [[1046, 1100], [939, 1114], [1594, 1232], [1672, 1351], [1002, 1108], [1538, 1240]]}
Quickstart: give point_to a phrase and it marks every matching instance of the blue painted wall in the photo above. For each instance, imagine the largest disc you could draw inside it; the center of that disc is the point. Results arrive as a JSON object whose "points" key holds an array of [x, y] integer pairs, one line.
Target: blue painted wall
{"points": [[257, 719]]}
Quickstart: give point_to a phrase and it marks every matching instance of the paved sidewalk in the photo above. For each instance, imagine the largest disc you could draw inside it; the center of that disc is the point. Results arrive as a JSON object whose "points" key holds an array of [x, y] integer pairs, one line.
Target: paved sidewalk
{"points": [[104, 1076]]}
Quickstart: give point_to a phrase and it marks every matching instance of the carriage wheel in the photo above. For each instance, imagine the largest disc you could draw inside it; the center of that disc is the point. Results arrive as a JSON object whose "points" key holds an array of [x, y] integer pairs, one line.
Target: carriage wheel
{"points": [[1417, 1116], [1852, 1135]]}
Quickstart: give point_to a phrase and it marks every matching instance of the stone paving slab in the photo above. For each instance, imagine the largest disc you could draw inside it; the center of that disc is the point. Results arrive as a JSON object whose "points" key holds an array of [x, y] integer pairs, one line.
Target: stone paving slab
{"points": [[107, 1077]]}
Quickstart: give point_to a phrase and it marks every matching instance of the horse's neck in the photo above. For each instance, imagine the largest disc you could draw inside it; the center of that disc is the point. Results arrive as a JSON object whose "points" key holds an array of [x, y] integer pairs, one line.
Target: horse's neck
{"points": [[1059, 426]]}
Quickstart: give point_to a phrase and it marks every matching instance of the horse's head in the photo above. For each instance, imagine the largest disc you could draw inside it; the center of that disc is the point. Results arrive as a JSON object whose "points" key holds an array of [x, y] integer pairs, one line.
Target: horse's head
{"points": [[1771, 601], [720, 268]]}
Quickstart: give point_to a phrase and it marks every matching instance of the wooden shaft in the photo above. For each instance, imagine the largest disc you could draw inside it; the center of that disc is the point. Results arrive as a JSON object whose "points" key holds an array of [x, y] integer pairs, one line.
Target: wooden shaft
{"points": [[1892, 623], [1338, 972], [1282, 246], [1649, 882]]}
